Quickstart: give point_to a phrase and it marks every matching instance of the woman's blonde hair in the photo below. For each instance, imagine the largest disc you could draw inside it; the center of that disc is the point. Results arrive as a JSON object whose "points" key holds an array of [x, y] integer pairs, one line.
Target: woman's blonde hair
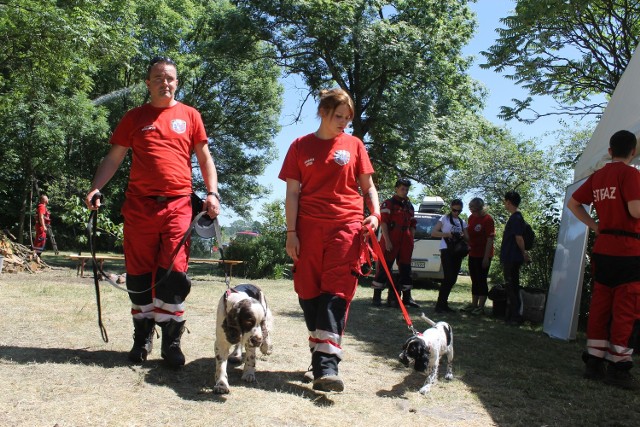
{"points": [[330, 99]]}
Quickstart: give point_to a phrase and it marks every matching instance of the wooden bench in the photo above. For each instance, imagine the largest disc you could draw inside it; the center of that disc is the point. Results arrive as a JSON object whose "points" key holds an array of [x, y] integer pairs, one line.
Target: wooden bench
{"points": [[82, 259], [229, 262]]}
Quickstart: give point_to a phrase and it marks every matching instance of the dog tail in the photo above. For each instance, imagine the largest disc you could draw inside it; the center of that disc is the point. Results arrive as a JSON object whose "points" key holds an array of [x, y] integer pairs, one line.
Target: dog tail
{"points": [[426, 319]]}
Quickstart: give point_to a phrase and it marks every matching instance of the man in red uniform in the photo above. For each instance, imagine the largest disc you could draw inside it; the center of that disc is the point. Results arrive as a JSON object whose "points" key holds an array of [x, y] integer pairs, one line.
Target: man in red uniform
{"points": [[162, 136], [398, 227], [614, 316], [43, 218]]}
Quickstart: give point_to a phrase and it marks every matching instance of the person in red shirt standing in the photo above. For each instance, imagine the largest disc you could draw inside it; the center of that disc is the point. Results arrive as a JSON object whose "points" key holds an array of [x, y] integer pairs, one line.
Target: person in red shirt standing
{"points": [[324, 172], [481, 230], [613, 329], [398, 227], [43, 219], [162, 136]]}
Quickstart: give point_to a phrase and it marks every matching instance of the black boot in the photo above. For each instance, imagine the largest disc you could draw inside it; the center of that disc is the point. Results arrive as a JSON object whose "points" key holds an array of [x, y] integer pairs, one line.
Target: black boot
{"points": [[143, 330], [377, 297], [408, 301], [171, 333], [595, 368]]}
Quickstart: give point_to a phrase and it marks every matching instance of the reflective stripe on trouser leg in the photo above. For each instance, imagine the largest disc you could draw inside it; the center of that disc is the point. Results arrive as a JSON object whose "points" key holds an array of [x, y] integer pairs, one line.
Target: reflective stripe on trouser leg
{"points": [[325, 317], [170, 295], [141, 303], [626, 310]]}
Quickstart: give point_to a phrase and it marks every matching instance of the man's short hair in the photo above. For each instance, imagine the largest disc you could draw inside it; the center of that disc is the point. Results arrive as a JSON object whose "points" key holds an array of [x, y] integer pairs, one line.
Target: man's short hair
{"points": [[159, 60], [513, 197], [622, 143], [403, 181]]}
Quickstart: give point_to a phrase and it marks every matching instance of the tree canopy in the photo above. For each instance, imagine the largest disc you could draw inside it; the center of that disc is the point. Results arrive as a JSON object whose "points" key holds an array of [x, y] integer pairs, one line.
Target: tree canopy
{"points": [[70, 69], [401, 61], [573, 50]]}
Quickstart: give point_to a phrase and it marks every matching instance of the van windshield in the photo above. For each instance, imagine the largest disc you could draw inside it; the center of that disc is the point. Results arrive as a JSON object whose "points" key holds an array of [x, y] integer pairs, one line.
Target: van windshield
{"points": [[424, 226]]}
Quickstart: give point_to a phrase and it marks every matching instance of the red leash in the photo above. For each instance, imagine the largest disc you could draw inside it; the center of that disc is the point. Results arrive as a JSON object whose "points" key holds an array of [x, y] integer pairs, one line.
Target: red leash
{"points": [[378, 255]]}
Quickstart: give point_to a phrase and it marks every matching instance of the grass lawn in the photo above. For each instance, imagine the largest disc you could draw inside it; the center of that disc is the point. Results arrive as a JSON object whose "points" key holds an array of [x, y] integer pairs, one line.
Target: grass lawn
{"points": [[56, 370]]}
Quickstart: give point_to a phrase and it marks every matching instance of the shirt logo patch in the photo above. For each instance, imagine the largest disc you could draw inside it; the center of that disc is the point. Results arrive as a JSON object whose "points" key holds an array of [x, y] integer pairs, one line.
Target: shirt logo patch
{"points": [[478, 227], [148, 128], [342, 157], [178, 126], [309, 161]]}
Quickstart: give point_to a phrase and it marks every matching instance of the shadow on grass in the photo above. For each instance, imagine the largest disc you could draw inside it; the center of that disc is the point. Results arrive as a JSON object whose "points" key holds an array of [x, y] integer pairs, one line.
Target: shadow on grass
{"points": [[521, 376], [195, 381], [27, 355]]}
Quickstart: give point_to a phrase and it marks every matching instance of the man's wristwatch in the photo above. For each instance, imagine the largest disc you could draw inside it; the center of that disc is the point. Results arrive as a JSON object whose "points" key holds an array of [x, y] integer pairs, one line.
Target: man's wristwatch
{"points": [[214, 194]]}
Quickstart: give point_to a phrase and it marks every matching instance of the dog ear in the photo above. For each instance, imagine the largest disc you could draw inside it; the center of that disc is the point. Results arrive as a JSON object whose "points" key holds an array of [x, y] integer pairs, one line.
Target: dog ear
{"points": [[404, 359], [231, 328]]}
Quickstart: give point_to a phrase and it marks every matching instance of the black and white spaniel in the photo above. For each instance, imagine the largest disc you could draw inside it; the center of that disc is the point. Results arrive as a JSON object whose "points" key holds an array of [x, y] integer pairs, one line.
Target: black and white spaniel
{"points": [[243, 321], [426, 350]]}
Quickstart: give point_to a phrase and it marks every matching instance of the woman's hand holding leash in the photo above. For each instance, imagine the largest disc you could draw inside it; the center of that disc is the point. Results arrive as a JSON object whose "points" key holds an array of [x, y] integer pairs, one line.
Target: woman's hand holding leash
{"points": [[373, 221]]}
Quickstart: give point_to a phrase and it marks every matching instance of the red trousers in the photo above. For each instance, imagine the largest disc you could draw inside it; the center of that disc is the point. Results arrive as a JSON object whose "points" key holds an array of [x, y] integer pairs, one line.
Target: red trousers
{"points": [[153, 230], [612, 315], [329, 256]]}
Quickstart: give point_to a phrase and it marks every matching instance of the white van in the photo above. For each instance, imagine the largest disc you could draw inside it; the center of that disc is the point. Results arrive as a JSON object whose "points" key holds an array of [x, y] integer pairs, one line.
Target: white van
{"points": [[425, 260], [431, 204]]}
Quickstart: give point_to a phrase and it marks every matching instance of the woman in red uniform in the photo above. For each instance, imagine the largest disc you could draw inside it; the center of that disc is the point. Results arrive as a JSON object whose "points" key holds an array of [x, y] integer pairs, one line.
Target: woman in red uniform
{"points": [[324, 172]]}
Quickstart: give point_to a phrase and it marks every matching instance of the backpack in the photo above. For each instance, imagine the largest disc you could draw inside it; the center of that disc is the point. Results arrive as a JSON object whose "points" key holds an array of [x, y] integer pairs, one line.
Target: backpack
{"points": [[528, 236]]}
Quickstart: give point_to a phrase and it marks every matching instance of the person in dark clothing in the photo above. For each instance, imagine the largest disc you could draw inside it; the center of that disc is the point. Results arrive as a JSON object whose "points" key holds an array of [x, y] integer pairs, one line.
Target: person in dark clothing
{"points": [[512, 255]]}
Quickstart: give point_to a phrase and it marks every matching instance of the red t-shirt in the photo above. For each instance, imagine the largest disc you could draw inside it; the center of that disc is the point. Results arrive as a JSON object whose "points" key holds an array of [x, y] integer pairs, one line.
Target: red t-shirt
{"points": [[162, 141], [480, 228], [328, 172], [610, 189], [42, 209]]}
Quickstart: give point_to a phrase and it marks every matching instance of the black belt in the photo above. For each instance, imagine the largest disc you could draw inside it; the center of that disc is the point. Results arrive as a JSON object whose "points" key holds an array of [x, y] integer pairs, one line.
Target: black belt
{"points": [[162, 199], [624, 233]]}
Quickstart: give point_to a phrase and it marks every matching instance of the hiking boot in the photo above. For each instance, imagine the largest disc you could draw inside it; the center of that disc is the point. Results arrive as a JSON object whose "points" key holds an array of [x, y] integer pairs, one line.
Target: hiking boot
{"points": [[328, 383], [595, 368], [408, 301], [377, 298], [469, 308], [443, 309], [143, 330], [622, 378], [478, 311], [307, 377], [392, 301], [171, 333]]}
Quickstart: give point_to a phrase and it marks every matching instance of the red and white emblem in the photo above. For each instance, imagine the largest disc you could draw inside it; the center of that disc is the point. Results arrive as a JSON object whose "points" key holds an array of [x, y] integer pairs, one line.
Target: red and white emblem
{"points": [[341, 157], [178, 126]]}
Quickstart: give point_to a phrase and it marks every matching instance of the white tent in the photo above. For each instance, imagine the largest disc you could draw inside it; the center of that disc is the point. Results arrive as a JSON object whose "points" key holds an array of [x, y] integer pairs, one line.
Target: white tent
{"points": [[563, 299], [622, 113]]}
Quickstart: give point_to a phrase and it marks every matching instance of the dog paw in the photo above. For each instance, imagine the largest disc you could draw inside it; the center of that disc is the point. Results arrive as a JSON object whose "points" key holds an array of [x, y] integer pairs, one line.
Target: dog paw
{"points": [[425, 389], [249, 377], [448, 376], [266, 349], [221, 388]]}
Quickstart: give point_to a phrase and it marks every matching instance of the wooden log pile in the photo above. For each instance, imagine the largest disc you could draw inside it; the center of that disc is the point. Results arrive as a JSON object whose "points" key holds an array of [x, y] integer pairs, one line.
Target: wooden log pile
{"points": [[18, 258]]}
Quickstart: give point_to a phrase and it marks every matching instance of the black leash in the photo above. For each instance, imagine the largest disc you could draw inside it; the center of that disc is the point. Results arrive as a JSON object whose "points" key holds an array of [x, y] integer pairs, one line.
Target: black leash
{"points": [[92, 226], [93, 223]]}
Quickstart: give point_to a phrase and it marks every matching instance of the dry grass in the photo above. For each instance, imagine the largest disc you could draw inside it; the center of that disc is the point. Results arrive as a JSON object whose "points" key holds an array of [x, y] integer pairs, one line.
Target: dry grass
{"points": [[55, 369]]}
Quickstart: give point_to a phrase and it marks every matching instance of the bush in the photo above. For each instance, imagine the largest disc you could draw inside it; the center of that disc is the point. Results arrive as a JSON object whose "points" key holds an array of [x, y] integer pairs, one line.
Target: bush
{"points": [[264, 256]]}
